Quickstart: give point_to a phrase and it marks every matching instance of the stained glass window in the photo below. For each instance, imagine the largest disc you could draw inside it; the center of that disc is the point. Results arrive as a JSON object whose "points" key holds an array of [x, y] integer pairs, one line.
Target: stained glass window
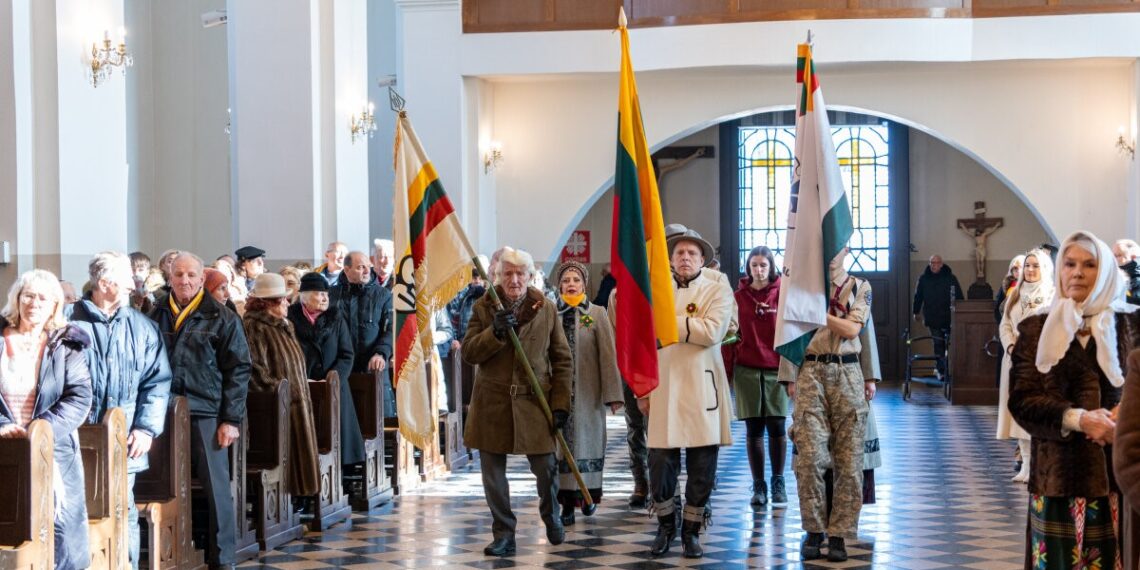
{"points": [[766, 156]]}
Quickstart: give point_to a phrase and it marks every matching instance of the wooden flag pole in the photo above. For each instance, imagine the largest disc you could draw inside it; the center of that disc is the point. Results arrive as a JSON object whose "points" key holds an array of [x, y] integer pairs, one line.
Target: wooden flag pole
{"points": [[536, 387]]}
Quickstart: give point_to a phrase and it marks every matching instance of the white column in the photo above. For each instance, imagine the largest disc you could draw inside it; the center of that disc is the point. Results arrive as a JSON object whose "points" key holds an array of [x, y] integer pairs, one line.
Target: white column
{"points": [[92, 126], [9, 218], [428, 67], [297, 72], [274, 97], [350, 80], [382, 54]]}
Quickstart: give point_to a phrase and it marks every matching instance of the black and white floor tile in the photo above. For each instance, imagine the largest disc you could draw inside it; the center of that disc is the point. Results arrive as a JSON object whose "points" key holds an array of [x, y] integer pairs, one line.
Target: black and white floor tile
{"points": [[945, 500]]}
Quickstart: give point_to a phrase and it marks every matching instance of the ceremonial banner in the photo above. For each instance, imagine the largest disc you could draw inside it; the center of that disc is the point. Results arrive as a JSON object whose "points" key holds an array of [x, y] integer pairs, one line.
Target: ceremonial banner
{"points": [[433, 264], [639, 257], [819, 219]]}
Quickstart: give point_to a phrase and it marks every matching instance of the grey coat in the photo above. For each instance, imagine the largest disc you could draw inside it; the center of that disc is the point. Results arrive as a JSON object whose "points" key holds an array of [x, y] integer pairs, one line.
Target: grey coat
{"points": [[595, 384]]}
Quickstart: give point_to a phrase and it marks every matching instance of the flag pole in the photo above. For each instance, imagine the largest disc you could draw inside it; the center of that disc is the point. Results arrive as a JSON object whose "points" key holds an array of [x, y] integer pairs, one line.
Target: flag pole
{"points": [[534, 385]]}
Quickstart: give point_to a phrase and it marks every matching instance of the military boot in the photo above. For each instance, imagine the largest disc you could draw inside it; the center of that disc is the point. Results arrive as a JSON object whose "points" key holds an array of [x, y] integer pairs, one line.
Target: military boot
{"points": [[694, 519], [809, 548], [667, 517], [638, 499]]}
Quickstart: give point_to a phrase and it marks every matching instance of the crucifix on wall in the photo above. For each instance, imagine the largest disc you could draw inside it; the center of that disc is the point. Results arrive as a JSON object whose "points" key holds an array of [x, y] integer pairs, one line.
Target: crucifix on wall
{"points": [[979, 229]]}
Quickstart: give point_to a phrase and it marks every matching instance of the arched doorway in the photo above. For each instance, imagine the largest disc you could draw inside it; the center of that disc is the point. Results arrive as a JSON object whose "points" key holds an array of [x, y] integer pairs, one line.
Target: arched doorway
{"points": [[927, 183]]}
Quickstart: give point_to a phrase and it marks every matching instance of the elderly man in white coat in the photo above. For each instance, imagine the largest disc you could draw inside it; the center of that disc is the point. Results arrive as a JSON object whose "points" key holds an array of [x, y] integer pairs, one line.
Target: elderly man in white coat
{"points": [[690, 409]]}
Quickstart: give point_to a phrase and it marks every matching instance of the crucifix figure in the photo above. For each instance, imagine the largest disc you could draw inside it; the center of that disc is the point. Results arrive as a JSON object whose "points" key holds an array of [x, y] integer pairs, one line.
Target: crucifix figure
{"points": [[979, 228]]}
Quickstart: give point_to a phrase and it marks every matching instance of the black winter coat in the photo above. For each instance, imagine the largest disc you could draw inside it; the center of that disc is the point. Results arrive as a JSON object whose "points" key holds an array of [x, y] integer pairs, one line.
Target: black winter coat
{"points": [[327, 347], [209, 358], [63, 399], [932, 297], [326, 344], [1132, 272], [129, 369], [367, 310]]}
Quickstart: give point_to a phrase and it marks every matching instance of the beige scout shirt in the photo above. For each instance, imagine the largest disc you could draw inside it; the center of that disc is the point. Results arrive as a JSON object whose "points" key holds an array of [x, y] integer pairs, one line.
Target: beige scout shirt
{"points": [[856, 295]]}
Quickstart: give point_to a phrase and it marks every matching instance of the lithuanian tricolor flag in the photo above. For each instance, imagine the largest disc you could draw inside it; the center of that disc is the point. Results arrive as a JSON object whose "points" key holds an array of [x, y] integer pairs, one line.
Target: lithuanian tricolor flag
{"points": [[432, 265], [639, 258]]}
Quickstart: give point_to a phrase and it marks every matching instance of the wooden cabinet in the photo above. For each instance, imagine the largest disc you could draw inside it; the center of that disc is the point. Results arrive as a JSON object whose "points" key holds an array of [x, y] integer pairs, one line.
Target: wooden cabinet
{"points": [[973, 372]]}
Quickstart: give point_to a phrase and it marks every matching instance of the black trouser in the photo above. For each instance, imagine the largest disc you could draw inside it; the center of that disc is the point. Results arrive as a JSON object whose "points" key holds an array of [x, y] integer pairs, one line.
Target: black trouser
{"points": [[498, 492], [665, 468], [211, 464], [635, 436], [941, 334]]}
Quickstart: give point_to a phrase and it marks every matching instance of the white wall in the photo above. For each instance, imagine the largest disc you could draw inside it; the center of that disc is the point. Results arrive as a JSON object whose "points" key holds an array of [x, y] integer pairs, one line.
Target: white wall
{"points": [[1046, 127], [8, 138]]}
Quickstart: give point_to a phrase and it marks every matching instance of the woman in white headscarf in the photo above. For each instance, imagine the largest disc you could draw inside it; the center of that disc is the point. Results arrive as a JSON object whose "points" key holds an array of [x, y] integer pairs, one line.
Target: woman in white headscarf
{"points": [[1068, 369], [1008, 283], [1032, 294]]}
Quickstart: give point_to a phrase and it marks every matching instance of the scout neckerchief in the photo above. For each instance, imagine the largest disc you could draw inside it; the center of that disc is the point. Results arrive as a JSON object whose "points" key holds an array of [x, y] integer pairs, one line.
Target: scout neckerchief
{"points": [[574, 300], [180, 314]]}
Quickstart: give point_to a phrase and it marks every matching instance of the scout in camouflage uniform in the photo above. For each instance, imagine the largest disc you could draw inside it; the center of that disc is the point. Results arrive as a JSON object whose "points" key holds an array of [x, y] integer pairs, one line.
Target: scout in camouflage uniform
{"points": [[830, 417]]}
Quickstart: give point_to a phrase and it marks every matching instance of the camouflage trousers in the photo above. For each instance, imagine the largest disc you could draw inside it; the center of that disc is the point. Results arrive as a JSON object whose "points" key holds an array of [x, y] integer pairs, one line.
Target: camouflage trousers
{"points": [[828, 422]]}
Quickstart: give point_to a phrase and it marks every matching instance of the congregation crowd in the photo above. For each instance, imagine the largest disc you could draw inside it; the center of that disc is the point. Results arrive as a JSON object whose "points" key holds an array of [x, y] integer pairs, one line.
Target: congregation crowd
{"points": [[137, 335]]}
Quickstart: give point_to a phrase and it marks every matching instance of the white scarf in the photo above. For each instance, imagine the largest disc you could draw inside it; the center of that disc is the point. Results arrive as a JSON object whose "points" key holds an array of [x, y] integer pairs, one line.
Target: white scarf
{"points": [[1098, 313], [1034, 297]]}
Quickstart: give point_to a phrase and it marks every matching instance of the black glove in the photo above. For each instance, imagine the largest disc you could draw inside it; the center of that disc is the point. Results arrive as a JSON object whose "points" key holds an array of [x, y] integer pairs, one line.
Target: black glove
{"points": [[560, 418], [503, 323]]}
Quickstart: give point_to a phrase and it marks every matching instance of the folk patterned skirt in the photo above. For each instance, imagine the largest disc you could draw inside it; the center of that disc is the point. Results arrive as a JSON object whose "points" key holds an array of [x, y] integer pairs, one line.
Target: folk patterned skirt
{"points": [[1074, 533]]}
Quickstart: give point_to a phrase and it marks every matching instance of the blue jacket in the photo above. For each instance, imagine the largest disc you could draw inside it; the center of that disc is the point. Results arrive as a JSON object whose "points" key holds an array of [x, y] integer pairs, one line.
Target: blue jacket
{"points": [[63, 397], [129, 368], [209, 358]]}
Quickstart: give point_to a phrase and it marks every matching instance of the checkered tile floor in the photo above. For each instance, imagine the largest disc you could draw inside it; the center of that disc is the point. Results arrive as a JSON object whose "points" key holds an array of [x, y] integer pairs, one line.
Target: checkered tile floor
{"points": [[944, 501]]}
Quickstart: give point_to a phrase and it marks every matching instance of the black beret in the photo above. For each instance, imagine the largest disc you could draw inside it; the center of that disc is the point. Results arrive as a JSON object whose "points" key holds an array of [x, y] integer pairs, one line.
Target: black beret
{"points": [[249, 252], [314, 282]]}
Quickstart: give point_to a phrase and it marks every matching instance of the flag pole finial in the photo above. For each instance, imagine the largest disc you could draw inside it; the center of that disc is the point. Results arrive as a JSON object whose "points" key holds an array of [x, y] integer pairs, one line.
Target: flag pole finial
{"points": [[622, 20], [809, 36], [395, 101]]}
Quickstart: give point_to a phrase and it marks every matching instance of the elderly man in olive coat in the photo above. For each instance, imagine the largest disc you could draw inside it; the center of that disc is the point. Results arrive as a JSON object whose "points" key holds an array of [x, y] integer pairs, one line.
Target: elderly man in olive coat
{"points": [[505, 416]]}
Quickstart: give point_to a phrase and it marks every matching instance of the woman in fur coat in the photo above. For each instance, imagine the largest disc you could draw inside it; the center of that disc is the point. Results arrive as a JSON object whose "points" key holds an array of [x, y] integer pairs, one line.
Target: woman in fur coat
{"points": [[276, 356]]}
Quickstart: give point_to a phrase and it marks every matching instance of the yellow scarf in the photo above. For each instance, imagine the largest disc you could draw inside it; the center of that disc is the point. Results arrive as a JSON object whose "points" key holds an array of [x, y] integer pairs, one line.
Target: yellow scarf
{"points": [[180, 314], [574, 300]]}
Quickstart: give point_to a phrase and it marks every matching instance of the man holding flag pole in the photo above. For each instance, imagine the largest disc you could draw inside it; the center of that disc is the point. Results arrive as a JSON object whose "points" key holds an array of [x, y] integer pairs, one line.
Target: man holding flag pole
{"points": [[821, 313], [509, 411]]}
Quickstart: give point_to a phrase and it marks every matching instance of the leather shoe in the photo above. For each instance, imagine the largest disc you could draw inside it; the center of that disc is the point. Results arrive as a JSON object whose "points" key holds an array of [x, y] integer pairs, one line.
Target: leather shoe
{"points": [[500, 547], [567, 517], [555, 533]]}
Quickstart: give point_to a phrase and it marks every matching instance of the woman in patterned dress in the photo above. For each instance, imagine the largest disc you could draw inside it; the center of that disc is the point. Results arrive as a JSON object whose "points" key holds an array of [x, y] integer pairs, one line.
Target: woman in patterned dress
{"points": [[1065, 383]]}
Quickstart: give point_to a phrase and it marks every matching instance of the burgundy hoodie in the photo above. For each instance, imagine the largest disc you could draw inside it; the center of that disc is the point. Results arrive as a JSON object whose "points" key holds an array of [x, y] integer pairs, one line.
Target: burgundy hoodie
{"points": [[757, 328]]}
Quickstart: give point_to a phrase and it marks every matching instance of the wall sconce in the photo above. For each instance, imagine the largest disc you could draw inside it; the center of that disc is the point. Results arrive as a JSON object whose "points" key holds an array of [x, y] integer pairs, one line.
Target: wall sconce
{"points": [[365, 124], [493, 158], [1125, 146], [104, 59]]}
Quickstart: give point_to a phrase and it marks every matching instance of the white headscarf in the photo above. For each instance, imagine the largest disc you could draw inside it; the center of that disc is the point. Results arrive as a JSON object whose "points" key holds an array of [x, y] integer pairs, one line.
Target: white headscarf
{"points": [[1035, 297], [1098, 312]]}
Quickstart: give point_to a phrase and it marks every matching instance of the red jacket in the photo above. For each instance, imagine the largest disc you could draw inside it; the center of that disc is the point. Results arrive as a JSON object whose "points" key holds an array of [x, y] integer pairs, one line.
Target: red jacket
{"points": [[757, 328]]}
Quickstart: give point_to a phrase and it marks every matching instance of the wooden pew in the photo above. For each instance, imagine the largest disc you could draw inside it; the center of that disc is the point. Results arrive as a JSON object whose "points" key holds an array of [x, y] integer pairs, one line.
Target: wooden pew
{"points": [[27, 535], [267, 467], [104, 449], [246, 546], [451, 428], [400, 457], [162, 493], [332, 503], [375, 488]]}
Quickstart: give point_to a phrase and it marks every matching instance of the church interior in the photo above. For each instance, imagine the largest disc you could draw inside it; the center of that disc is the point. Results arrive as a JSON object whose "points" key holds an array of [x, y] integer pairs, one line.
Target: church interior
{"points": [[971, 131]]}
